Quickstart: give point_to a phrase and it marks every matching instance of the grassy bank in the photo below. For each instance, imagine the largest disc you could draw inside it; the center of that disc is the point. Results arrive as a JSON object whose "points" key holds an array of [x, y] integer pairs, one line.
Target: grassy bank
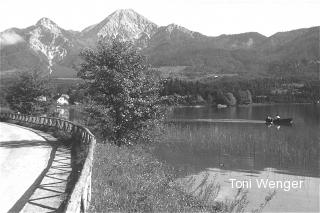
{"points": [[130, 179]]}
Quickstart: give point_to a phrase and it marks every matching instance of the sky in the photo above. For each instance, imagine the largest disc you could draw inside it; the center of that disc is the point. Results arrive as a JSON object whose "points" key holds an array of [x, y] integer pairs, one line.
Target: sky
{"points": [[209, 17]]}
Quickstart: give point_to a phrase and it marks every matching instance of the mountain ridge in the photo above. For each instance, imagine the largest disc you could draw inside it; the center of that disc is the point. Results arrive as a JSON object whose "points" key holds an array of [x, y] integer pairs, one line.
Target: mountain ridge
{"points": [[52, 48]]}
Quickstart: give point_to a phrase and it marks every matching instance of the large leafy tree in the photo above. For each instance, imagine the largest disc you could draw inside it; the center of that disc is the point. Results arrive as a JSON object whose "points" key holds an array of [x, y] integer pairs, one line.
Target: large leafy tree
{"points": [[123, 92], [29, 94]]}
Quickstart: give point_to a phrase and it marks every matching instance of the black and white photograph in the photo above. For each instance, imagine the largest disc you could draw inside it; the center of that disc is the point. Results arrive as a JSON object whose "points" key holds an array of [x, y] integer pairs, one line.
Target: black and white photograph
{"points": [[160, 106]]}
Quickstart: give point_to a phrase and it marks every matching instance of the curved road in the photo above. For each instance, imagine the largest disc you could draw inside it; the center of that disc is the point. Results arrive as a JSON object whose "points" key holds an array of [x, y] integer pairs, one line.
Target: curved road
{"points": [[24, 155]]}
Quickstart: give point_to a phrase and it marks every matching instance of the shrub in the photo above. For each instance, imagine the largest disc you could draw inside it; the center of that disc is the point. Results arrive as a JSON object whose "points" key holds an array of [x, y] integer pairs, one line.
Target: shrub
{"points": [[29, 94], [123, 92]]}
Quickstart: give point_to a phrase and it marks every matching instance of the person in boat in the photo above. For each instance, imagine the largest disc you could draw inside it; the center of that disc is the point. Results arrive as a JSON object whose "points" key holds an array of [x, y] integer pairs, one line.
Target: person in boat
{"points": [[269, 119], [277, 117]]}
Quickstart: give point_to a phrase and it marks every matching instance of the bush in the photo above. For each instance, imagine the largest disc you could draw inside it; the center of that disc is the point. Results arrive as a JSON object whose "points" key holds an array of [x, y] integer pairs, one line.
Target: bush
{"points": [[124, 99], [29, 94]]}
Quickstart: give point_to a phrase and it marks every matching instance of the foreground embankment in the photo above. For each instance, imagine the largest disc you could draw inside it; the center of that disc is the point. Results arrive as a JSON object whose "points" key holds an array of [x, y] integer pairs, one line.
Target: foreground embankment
{"points": [[130, 179]]}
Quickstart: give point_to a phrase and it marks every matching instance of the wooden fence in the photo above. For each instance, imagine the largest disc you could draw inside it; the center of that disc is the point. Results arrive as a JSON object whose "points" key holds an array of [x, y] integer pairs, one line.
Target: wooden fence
{"points": [[79, 199]]}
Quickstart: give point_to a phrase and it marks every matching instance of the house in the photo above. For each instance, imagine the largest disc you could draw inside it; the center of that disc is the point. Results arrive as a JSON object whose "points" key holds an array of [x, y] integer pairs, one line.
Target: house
{"points": [[63, 100], [41, 98], [279, 91]]}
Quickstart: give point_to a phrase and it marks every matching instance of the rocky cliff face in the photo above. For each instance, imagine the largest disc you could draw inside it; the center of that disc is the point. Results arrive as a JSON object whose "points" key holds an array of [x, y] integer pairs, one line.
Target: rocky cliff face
{"points": [[50, 40]]}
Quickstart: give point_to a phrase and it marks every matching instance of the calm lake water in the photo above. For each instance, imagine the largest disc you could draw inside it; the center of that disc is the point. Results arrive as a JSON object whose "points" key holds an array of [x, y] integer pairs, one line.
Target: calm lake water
{"points": [[234, 143]]}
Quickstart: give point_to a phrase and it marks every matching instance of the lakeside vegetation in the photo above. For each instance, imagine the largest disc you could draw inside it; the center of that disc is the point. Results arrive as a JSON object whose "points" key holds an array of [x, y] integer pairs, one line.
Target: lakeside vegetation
{"points": [[131, 179], [262, 90], [212, 144]]}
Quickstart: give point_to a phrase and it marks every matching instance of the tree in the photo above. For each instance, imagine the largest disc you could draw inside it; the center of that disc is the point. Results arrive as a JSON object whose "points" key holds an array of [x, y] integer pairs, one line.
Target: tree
{"points": [[29, 94], [230, 99], [124, 94]]}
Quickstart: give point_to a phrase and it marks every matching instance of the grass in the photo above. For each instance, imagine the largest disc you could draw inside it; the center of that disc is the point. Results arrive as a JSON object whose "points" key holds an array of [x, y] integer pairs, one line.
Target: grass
{"points": [[130, 179], [287, 148]]}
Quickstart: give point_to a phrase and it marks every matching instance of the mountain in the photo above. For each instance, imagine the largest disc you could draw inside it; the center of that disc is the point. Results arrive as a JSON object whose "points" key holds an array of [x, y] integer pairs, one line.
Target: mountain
{"points": [[297, 52], [125, 24], [174, 34], [186, 53], [43, 45], [281, 38], [249, 55], [203, 56], [16, 53], [248, 40], [168, 42]]}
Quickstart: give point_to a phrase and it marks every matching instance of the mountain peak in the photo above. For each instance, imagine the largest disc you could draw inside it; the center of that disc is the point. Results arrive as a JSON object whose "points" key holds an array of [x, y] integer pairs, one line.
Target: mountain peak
{"points": [[49, 24], [123, 24], [128, 10], [174, 28], [125, 12], [126, 15], [45, 21]]}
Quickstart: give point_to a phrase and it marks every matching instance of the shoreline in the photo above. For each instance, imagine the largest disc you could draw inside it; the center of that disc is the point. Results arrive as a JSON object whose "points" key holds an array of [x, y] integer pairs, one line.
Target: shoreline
{"points": [[241, 105]]}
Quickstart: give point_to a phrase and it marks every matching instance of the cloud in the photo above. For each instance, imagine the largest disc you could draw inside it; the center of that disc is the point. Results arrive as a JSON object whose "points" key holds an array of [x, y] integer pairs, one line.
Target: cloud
{"points": [[10, 38]]}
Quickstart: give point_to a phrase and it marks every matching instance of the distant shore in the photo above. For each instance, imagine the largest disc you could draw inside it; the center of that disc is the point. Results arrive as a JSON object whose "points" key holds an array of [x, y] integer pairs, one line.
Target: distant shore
{"points": [[239, 105]]}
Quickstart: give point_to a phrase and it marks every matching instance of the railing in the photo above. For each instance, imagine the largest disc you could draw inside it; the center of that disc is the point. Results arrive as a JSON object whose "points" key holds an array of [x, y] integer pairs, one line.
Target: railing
{"points": [[79, 199]]}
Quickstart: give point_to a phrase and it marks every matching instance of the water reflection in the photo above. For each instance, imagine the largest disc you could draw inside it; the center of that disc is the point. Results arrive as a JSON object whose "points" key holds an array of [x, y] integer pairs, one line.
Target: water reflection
{"points": [[242, 147], [249, 150]]}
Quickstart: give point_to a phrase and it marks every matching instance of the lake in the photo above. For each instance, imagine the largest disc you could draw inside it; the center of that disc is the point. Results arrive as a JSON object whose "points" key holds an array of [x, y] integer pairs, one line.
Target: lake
{"points": [[234, 148]]}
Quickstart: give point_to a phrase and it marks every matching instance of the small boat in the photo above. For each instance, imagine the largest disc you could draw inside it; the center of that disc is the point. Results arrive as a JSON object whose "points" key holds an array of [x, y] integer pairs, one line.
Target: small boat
{"points": [[221, 106], [279, 121]]}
